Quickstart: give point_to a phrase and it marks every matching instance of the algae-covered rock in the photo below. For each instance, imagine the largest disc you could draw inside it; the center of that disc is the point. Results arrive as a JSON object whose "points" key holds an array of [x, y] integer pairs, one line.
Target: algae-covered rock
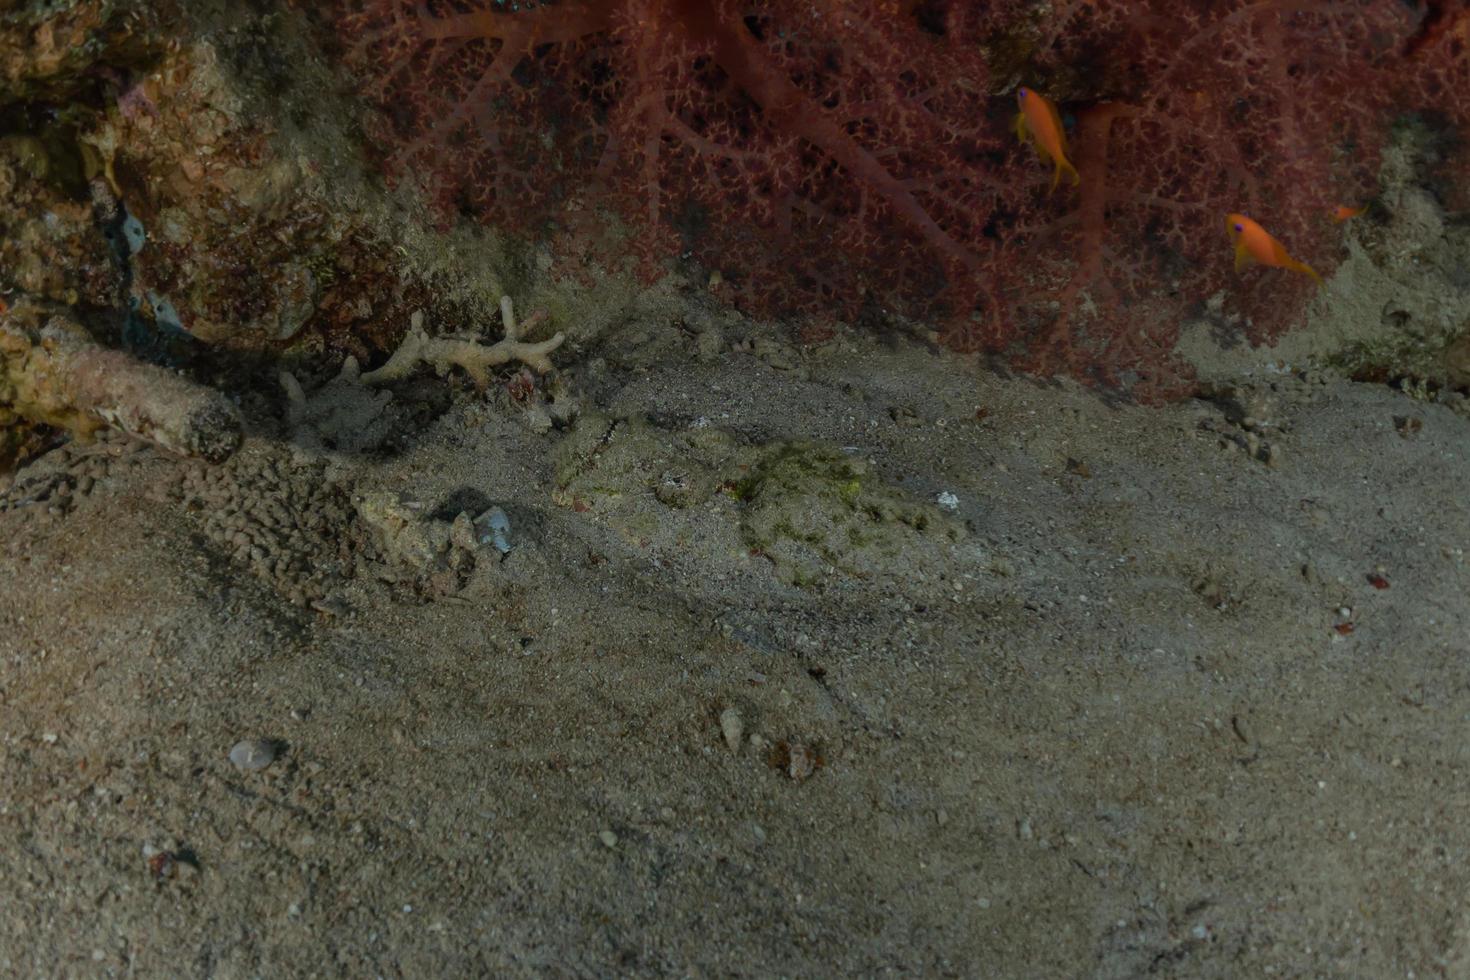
{"points": [[813, 511], [604, 459], [1433, 361], [51, 246], [234, 241], [434, 555], [52, 51], [809, 508], [215, 216]]}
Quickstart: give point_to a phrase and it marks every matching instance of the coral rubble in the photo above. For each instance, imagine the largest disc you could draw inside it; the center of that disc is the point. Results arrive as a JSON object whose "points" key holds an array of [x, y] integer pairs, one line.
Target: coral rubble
{"points": [[52, 371]]}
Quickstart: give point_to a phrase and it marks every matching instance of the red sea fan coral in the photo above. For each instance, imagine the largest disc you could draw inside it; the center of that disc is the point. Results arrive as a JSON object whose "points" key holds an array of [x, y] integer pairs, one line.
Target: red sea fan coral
{"points": [[492, 110], [790, 145], [1275, 109], [843, 155], [1438, 82], [823, 154]]}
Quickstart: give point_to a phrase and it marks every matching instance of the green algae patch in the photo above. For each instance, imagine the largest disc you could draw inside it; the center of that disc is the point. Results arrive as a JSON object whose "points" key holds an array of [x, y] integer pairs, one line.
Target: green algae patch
{"points": [[1409, 360], [808, 508], [603, 460], [815, 511]]}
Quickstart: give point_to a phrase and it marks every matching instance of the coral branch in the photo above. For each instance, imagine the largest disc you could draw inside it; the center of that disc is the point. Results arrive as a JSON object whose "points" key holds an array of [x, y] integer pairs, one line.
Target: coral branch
{"points": [[476, 359], [51, 371]]}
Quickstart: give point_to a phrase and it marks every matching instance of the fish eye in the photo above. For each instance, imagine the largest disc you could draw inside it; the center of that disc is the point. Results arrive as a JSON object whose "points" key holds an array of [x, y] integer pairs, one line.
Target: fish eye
{"points": [[1240, 227], [1022, 93]]}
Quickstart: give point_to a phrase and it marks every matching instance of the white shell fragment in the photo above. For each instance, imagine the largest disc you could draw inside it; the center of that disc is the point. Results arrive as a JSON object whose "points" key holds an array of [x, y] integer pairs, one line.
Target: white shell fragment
{"points": [[253, 754], [493, 527]]}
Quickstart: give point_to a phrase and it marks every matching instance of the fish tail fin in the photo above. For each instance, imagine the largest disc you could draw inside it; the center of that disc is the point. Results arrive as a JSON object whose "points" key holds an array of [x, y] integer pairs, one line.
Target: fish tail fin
{"points": [[1242, 254], [1303, 267], [1062, 165]]}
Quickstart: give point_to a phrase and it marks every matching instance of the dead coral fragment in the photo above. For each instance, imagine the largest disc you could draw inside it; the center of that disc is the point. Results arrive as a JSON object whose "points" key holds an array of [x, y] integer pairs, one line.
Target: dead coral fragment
{"points": [[52, 371], [443, 353], [436, 556], [342, 415]]}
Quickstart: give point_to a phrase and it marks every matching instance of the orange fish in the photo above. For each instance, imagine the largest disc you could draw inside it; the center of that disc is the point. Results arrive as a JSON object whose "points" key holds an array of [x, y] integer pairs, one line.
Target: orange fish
{"points": [[1039, 123], [1254, 244], [1342, 213]]}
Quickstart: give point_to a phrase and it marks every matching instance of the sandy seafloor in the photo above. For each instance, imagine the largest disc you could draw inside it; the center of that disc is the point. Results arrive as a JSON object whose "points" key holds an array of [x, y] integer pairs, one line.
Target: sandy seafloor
{"points": [[1134, 708]]}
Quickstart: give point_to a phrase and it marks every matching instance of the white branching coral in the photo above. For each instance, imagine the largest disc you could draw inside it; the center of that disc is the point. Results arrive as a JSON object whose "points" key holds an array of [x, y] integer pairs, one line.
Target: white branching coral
{"points": [[443, 353]]}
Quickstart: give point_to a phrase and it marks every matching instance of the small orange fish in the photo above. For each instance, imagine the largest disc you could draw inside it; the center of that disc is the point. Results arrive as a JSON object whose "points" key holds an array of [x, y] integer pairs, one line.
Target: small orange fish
{"points": [[1254, 244], [1039, 124], [1342, 213]]}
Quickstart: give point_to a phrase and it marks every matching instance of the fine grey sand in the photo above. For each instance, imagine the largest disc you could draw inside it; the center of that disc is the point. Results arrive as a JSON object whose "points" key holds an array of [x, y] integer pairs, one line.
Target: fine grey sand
{"points": [[1134, 706]]}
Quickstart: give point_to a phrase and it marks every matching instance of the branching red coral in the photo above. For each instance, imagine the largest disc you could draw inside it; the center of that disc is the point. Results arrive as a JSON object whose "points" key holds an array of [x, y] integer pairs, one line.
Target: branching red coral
{"points": [[847, 155], [1277, 108], [1439, 83]]}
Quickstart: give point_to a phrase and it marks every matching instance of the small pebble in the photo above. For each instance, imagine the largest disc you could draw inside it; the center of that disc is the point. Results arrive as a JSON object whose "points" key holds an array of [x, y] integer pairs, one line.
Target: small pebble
{"points": [[253, 753], [608, 838], [733, 726], [708, 344], [801, 761], [537, 419]]}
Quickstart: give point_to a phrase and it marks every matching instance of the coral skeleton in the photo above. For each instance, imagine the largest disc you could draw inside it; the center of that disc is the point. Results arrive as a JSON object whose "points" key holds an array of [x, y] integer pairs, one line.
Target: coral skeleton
{"points": [[443, 353], [52, 371], [341, 417]]}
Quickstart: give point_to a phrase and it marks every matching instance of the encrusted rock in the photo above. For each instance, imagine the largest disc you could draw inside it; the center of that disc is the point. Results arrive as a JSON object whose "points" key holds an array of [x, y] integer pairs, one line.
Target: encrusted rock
{"points": [[437, 555], [52, 371]]}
